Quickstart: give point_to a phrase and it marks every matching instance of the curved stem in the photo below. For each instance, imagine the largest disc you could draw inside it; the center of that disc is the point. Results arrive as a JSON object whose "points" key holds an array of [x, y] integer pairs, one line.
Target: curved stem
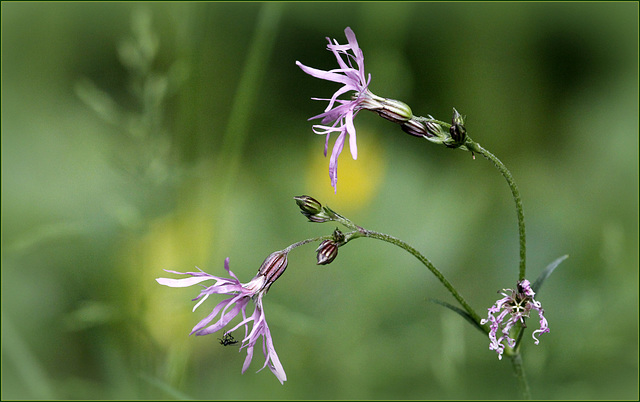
{"points": [[475, 147], [516, 357], [425, 261], [361, 232]]}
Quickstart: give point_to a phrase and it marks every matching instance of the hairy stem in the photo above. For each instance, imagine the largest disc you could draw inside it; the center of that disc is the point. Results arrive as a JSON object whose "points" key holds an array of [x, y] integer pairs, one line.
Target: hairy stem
{"points": [[425, 261], [475, 147], [303, 242]]}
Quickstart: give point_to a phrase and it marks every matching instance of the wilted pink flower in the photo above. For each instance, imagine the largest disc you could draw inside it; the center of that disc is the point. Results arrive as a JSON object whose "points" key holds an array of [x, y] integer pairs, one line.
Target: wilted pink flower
{"points": [[515, 307], [242, 294]]}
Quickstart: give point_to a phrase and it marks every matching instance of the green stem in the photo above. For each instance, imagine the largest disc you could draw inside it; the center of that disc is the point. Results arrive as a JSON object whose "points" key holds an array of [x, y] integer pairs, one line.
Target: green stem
{"points": [[361, 232], [518, 368], [425, 261], [475, 147], [306, 241]]}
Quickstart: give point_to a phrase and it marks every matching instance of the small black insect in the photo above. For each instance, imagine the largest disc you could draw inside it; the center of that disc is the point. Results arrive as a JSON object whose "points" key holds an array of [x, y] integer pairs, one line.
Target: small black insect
{"points": [[227, 339]]}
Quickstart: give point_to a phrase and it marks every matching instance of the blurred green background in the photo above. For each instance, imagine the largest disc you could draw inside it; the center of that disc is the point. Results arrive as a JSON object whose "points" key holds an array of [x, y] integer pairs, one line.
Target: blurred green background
{"points": [[138, 137]]}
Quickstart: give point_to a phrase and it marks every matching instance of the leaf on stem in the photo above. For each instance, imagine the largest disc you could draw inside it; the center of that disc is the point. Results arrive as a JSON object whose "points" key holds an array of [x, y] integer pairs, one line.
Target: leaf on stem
{"points": [[460, 311], [547, 271]]}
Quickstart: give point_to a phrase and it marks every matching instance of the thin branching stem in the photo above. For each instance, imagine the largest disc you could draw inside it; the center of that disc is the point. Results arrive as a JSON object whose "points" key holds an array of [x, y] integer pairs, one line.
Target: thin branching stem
{"points": [[361, 232], [425, 261]]}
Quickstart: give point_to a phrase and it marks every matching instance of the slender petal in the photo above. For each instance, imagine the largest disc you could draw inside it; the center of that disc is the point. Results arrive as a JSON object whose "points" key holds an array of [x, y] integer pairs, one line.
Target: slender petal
{"points": [[339, 113], [517, 306], [230, 308]]}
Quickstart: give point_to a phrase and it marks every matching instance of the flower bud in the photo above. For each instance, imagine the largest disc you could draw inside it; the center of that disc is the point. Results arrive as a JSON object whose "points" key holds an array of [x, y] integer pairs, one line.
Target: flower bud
{"points": [[457, 118], [415, 127], [458, 131], [434, 129], [272, 267], [327, 252], [308, 204], [311, 208], [395, 111], [338, 236], [391, 109]]}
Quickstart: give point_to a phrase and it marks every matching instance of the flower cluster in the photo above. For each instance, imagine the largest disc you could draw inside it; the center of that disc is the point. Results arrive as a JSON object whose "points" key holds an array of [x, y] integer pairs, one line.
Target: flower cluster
{"points": [[241, 294], [515, 306]]}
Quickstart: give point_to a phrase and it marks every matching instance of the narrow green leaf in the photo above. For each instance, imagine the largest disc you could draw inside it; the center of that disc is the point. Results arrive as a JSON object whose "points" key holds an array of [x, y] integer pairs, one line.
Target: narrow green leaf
{"points": [[460, 311], [547, 271]]}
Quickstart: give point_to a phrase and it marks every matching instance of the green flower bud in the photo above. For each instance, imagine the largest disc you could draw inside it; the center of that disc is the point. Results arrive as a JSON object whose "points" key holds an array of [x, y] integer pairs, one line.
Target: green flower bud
{"points": [[308, 204], [338, 236], [391, 109], [458, 131], [395, 111], [311, 208], [434, 129], [457, 118]]}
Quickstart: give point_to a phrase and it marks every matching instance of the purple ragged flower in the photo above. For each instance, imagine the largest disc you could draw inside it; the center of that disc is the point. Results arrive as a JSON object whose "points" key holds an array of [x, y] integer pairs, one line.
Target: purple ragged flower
{"points": [[241, 294], [339, 113], [512, 308]]}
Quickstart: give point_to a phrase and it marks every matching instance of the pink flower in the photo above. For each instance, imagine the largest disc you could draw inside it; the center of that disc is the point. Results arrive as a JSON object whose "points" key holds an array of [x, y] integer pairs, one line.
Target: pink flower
{"points": [[339, 114], [241, 294], [515, 307]]}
